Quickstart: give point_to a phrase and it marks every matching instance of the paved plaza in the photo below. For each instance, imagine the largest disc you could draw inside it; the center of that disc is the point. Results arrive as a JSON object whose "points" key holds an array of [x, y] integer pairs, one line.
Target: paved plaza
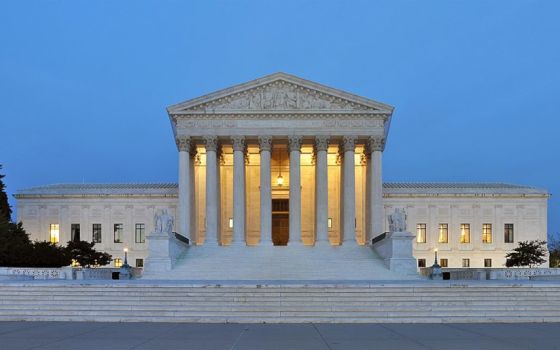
{"points": [[169, 336]]}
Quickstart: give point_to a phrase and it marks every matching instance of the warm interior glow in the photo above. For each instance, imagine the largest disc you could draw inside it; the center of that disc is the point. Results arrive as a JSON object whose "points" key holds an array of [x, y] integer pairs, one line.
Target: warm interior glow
{"points": [[118, 262], [280, 180], [54, 233], [230, 222]]}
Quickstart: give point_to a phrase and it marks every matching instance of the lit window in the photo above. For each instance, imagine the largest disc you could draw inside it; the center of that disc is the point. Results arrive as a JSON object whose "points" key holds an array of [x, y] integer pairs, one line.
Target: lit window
{"points": [[230, 222], [75, 232], [443, 262], [421, 262], [96, 233], [443, 233], [487, 262], [54, 233], [421, 233], [329, 222], [118, 233], [465, 233], [486, 233], [139, 262], [118, 262], [508, 233], [466, 262], [140, 233], [74, 263]]}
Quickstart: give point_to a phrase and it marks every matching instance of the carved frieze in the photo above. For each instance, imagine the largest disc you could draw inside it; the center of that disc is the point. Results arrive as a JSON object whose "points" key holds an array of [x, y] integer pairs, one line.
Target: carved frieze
{"points": [[280, 95]]}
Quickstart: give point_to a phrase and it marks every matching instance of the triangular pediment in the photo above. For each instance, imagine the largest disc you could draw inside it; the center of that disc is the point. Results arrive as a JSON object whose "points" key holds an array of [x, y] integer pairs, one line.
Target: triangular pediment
{"points": [[276, 93]]}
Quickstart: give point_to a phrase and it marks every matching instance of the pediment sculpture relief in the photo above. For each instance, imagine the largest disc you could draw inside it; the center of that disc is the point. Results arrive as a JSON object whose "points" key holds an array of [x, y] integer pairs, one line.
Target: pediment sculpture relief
{"points": [[281, 96]]}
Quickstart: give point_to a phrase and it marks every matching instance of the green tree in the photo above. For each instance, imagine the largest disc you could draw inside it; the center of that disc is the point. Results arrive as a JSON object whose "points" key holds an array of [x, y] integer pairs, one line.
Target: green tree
{"points": [[47, 254], [15, 247], [84, 253], [5, 210], [527, 253], [554, 251]]}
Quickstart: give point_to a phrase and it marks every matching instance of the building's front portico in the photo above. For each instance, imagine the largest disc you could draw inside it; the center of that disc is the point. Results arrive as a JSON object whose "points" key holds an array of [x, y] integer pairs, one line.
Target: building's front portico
{"points": [[280, 137]]}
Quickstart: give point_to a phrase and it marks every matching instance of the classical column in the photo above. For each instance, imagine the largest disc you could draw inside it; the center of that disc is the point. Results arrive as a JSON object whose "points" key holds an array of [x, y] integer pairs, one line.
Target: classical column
{"points": [[212, 193], [238, 190], [185, 189], [265, 143], [321, 190], [348, 190], [295, 190], [375, 217]]}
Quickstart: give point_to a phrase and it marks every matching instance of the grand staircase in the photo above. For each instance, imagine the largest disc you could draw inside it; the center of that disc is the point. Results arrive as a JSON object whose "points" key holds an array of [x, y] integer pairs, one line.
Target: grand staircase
{"points": [[419, 301], [294, 262]]}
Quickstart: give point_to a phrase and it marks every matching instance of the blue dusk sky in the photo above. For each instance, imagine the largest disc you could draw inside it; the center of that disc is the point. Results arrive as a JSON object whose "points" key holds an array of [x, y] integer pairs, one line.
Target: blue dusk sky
{"points": [[84, 84]]}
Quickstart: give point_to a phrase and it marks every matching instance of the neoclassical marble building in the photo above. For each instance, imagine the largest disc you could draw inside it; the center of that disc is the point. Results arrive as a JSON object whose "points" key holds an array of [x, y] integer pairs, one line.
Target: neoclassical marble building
{"points": [[282, 161]]}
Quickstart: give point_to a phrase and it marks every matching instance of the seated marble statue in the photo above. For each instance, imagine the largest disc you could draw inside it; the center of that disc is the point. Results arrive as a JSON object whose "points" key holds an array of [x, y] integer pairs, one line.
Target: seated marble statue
{"points": [[163, 222], [397, 220]]}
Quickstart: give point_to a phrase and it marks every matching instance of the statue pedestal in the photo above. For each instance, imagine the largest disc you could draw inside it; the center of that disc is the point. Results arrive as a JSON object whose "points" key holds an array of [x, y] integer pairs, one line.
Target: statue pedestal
{"points": [[163, 250], [396, 250]]}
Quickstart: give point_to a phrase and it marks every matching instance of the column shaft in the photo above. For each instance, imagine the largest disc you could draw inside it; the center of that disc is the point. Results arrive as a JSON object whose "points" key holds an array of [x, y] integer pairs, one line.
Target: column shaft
{"points": [[266, 195], [185, 187], [212, 193], [238, 191], [375, 216], [349, 191], [377, 195], [295, 190], [321, 191]]}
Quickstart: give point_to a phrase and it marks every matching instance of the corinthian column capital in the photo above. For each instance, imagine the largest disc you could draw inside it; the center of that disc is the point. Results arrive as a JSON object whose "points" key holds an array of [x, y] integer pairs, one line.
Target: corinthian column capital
{"points": [[183, 143], [265, 143], [375, 143], [321, 143], [294, 143], [211, 143], [348, 143], [238, 143]]}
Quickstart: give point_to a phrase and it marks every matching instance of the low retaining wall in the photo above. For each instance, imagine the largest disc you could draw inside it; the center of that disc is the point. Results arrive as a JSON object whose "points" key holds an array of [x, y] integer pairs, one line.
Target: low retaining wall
{"points": [[519, 273], [63, 273]]}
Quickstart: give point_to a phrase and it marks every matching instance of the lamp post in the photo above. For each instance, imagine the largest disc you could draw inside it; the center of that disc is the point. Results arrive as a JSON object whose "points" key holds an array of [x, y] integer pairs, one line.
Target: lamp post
{"points": [[125, 265], [124, 271], [436, 273]]}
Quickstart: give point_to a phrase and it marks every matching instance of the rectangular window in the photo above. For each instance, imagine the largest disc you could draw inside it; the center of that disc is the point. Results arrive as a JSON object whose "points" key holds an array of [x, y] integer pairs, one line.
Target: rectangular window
{"points": [[421, 262], [118, 262], [140, 233], [508, 233], [487, 262], [54, 233], [75, 232], [486, 233], [421, 233], [96, 233], [443, 262], [139, 262], [466, 262], [465, 233], [443, 233], [118, 233]]}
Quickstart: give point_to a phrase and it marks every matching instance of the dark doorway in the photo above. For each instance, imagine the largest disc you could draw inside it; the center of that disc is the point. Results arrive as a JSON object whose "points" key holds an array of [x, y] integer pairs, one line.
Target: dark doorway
{"points": [[280, 221]]}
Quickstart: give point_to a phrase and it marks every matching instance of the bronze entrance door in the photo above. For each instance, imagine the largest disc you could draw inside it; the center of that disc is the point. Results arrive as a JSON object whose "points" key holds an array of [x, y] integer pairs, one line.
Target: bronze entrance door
{"points": [[280, 221]]}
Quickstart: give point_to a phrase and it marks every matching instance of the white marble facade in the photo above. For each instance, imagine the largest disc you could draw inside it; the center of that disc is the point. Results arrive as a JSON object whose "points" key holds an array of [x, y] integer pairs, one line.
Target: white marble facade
{"points": [[326, 145]]}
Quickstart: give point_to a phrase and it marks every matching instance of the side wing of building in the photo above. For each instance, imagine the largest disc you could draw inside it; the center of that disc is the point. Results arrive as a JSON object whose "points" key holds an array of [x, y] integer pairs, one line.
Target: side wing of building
{"points": [[471, 225]]}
